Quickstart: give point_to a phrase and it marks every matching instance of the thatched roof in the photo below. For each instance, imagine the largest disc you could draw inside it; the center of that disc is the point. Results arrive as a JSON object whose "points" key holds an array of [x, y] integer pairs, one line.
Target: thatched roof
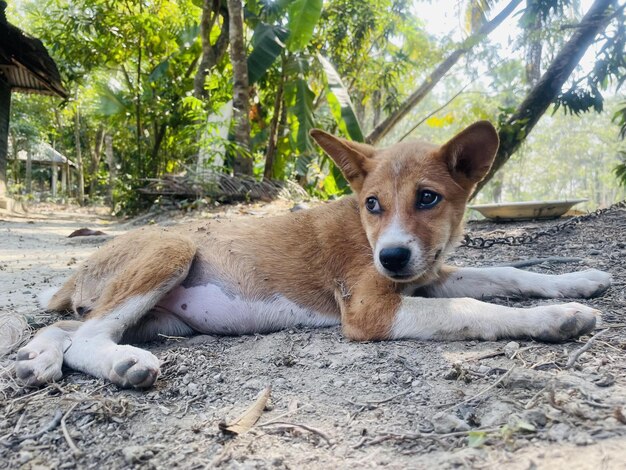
{"points": [[25, 63], [44, 153]]}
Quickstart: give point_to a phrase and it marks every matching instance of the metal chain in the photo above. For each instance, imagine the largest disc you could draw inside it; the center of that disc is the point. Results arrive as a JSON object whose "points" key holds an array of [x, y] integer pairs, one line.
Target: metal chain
{"points": [[526, 238]]}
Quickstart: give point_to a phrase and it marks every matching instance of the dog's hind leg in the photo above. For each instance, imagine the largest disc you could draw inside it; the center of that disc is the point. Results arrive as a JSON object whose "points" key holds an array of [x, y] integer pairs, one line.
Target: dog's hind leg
{"points": [[481, 283], [127, 298], [131, 289]]}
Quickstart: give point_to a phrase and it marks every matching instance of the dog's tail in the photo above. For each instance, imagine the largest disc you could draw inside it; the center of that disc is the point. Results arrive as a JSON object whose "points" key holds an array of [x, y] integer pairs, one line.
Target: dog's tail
{"points": [[58, 299]]}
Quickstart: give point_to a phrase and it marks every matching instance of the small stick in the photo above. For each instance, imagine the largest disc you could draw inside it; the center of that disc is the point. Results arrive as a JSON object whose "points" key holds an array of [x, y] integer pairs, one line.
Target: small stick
{"points": [[483, 391], [573, 357], [373, 403], [48, 427], [521, 350], [18, 425], [487, 355], [613, 325], [175, 338], [30, 395], [419, 435], [275, 420], [284, 424], [534, 399], [70, 442]]}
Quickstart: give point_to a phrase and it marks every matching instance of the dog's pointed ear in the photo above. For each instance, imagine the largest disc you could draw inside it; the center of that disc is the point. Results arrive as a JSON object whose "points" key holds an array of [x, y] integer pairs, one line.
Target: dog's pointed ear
{"points": [[470, 153], [351, 157]]}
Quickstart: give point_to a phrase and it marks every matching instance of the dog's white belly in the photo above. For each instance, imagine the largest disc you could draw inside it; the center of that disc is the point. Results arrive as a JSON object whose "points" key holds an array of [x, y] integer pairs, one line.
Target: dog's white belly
{"points": [[208, 309]]}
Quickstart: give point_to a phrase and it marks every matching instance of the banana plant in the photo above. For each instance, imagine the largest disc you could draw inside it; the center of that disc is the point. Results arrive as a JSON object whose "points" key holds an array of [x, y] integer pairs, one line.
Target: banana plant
{"points": [[270, 41]]}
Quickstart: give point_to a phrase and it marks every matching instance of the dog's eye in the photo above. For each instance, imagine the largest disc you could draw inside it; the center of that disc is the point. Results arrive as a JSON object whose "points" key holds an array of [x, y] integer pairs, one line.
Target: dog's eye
{"points": [[427, 199], [372, 205]]}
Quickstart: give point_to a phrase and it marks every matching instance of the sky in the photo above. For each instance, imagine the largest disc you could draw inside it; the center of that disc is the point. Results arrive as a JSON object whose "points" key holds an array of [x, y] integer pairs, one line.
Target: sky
{"points": [[443, 18]]}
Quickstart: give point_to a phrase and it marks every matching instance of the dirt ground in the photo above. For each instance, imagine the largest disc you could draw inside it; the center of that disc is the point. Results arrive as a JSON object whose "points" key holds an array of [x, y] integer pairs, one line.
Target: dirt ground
{"points": [[334, 404]]}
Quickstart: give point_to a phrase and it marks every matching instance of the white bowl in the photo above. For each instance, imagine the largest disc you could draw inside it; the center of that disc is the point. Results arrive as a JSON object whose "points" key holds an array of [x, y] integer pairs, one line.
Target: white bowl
{"points": [[526, 210]]}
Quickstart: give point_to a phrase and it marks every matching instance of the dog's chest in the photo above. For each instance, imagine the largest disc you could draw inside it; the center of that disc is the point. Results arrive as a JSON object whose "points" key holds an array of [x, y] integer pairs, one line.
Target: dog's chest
{"points": [[208, 309]]}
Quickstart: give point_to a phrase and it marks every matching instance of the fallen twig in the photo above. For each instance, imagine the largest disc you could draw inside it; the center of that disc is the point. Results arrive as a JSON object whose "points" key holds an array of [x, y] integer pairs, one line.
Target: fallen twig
{"points": [[485, 390], [533, 400], [612, 325], [48, 427], [18, 425], [574, 355], [480, 357], [290, 411], [284, 424], [66, 434], [175, 338], [412, 436], [373, 403]]}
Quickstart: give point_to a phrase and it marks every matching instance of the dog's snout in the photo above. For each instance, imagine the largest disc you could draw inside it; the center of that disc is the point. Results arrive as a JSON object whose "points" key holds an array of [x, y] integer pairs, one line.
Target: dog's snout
{"points": [[394, 259]]}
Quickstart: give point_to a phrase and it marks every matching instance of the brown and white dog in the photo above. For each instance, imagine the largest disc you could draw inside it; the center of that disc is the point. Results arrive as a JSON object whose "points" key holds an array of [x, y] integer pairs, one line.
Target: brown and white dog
{"points": [[372, 262]]}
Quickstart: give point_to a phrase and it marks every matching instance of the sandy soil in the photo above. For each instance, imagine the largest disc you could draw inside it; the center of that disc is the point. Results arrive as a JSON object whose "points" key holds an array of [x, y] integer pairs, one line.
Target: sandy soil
{"points": [[334, 404]]}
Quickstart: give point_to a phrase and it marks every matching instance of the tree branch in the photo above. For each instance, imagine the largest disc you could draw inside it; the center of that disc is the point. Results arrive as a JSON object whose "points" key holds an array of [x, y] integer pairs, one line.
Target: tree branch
{"points": [[382, 129]]}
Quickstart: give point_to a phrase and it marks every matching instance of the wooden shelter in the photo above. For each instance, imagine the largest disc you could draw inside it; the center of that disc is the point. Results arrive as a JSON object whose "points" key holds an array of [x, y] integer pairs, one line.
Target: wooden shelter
{"points": [[43, 154], [25, 66]]}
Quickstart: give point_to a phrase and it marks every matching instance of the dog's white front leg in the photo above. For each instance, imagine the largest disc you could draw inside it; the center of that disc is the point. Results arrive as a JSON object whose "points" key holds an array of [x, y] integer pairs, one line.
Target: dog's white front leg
{"points": [[465, 318], [506, 281]]}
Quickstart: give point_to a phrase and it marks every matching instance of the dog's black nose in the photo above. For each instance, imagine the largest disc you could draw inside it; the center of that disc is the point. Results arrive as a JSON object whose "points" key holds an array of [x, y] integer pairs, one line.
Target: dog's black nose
{"points": [[394, 259]]}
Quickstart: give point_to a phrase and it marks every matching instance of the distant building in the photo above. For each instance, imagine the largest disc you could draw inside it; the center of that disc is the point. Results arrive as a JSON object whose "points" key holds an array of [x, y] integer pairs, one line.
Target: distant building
{"points": [[42, 154]]}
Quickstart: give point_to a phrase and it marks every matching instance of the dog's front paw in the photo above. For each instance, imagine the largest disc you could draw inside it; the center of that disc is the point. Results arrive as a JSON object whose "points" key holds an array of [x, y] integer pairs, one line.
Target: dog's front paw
{"points": [[555, 323], [38, 364], [134, 367], [585, 284]]}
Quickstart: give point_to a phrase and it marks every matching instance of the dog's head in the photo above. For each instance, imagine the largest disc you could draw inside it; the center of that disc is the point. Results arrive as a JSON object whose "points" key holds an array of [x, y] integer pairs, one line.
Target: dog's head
{"points": [[412, 195]]}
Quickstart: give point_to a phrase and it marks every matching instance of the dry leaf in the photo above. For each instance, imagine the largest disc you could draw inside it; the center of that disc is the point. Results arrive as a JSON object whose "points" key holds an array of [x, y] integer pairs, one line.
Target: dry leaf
{"points": [[85, 232], [249, 417]]}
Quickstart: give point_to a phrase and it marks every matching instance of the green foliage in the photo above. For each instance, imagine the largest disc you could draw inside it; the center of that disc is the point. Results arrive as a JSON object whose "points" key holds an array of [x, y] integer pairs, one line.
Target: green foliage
{"points": [[269, 42], [340, 103], [338, 65], [303, 16], [302, 109]]}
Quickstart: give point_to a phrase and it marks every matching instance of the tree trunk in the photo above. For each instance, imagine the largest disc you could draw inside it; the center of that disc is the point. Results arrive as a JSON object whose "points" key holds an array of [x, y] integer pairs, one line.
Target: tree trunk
{"points": [[108, 151], [5, 113], [79, 157], [211, 53], [64, 172], [382, 129], [242, 163], [376, 104], [53, 182], [159, 134], [519, 126], [534, 52], [29, 171], [268, 172], [95, 160]]}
